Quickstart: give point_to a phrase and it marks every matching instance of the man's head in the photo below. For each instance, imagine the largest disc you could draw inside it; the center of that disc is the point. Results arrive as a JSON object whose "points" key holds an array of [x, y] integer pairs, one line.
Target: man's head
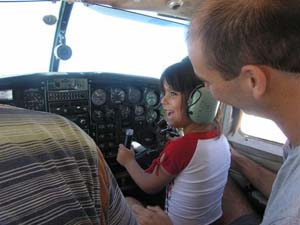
{"points": [[236, 46]]}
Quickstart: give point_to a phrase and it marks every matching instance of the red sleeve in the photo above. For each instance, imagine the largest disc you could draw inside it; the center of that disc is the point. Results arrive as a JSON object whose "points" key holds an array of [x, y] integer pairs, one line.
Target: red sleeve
{"points": [[175, 156]]}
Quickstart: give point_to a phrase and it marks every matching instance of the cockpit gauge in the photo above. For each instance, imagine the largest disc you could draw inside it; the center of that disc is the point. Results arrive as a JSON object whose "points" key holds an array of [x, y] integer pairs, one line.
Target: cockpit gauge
{"points": [[117, 95], [97, 115], [139, 110], [134, 95], [151, 98], [98, 97], [151, 116], [109, 114], [125, 111]]}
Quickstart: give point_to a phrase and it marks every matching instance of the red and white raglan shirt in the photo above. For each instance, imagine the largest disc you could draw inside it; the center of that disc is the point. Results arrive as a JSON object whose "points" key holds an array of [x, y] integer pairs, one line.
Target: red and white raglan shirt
{"points": [[200, 162]]}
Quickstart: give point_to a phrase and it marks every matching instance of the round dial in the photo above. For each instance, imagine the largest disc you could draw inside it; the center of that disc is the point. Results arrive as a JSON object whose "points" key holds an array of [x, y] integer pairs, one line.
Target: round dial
{"points": [[117, 95], [98, 97], [151, 116], [139, 110], [97, 115], [109, 113], [134, 95], [151, 98], [125, 112]]}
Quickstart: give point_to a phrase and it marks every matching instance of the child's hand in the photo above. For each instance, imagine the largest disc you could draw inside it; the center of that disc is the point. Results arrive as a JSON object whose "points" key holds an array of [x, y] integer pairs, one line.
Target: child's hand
{"points": [[171, 138], [125, 155]]}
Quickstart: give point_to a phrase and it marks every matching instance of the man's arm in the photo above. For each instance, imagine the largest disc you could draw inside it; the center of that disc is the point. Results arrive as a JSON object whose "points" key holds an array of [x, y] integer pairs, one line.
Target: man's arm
{"points": [[260, 177], [114, 208]]}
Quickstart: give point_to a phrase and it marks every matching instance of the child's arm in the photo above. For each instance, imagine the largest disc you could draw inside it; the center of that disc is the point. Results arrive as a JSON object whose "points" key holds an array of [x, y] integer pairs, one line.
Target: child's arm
{"points": [[148, 182]]}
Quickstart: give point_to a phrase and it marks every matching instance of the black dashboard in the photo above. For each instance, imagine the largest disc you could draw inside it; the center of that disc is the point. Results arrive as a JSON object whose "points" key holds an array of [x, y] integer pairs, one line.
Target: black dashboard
{"points": [[104, 105]]}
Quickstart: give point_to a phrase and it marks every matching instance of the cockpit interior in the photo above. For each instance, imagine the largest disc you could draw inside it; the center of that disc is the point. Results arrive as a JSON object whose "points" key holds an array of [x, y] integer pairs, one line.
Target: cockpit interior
{"points": [[98, 63]]}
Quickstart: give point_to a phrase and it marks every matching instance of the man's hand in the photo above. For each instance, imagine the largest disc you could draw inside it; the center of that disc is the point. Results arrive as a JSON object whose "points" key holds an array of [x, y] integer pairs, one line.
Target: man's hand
{"points": [[260, 177], [152, 215], [235, 159], [125, 155]]}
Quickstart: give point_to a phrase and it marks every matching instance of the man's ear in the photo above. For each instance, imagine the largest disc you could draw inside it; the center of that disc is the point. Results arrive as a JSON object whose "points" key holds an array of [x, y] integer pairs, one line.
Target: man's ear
{"points": [[256, 79]]}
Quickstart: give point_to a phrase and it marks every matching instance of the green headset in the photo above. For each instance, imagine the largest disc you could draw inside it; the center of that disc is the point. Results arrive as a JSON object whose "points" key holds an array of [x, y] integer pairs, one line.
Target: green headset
{"points": [[202, 107]]}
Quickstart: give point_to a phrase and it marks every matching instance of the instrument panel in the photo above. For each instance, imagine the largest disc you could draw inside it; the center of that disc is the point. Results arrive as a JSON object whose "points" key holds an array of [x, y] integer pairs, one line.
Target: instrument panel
{"points": [[104, 105]]}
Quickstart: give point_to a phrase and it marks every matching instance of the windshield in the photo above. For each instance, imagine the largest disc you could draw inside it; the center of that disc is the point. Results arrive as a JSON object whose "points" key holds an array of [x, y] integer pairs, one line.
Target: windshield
{"points": [[102, 39], [25, 40]]}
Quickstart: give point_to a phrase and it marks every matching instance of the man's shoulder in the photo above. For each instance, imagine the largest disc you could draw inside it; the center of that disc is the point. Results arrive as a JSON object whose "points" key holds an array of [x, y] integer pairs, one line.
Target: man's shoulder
{"points": [[21, 113], [284, 203], [22, 125]]}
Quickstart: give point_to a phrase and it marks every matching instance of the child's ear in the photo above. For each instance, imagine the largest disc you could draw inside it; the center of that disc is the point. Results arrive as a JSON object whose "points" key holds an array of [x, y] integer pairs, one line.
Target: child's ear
{"points": [[256, 79]]}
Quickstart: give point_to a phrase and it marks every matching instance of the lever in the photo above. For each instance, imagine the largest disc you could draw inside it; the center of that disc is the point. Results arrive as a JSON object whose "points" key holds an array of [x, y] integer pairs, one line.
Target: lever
{"points": [[128, 138]]}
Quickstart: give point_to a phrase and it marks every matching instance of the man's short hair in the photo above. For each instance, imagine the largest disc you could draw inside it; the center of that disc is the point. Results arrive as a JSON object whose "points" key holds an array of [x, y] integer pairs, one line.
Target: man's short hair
{"points": [[234, 33]]}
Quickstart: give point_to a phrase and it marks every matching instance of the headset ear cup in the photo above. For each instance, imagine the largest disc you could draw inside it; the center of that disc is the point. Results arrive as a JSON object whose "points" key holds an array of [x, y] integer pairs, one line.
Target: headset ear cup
{"points": [[202, 106]]}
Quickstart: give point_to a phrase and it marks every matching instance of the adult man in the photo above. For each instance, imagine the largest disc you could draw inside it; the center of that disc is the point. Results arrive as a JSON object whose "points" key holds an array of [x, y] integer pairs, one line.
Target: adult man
{"points": [[248, 54], [51, 172]]}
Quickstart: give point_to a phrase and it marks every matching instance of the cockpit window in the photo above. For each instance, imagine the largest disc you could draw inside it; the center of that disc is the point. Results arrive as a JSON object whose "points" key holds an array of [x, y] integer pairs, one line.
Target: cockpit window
{"points": [[26, 40], [109, 40], [102, 39], [261, 128]]}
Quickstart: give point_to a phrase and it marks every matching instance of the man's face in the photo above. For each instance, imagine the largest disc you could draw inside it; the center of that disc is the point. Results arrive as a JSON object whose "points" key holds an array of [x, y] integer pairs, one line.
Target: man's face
{"points": [[232, 92]]}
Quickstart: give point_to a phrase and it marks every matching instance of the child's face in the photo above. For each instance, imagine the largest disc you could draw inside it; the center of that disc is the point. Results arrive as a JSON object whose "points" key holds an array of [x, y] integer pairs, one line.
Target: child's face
{"points": [[174, 107]]}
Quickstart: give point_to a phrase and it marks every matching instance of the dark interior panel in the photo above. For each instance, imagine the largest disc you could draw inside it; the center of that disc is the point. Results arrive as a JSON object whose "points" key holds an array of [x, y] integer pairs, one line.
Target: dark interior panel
{"points": [[104, 105]]}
